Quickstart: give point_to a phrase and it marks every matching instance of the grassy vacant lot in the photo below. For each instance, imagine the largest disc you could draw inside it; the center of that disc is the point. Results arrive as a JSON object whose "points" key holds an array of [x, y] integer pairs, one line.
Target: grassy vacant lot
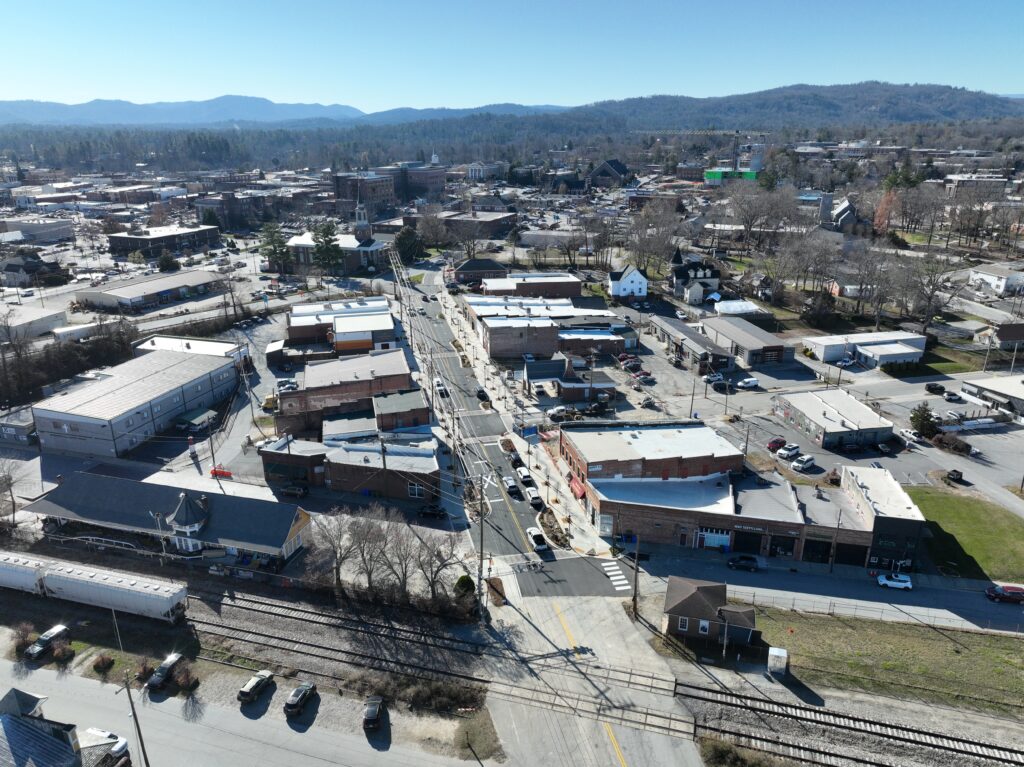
{"points": [[941, 361], [983, 539], [902, 659]]}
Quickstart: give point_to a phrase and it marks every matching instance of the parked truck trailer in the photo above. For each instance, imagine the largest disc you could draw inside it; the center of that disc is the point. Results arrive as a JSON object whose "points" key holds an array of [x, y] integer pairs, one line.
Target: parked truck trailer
{"points": [[125, 592]]}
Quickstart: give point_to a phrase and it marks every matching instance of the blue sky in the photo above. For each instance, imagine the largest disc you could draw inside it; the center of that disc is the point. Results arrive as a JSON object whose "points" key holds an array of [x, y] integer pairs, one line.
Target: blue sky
{"points": [[379, 55]]}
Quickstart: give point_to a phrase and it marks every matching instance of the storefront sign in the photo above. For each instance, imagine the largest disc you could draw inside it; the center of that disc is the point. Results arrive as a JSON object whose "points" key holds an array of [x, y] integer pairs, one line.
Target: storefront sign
{"points": [[749, 528]]}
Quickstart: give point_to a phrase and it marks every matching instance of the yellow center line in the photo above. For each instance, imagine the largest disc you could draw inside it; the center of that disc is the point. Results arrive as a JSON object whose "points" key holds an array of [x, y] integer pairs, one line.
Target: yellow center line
{"points": [[512, 513], [565, 628], [615, 744]]}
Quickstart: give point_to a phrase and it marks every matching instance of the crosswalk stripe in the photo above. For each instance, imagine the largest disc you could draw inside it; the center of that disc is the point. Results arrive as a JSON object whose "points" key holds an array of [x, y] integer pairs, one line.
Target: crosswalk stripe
{"points": [[618, 581], [622, 588], [610, 566]]}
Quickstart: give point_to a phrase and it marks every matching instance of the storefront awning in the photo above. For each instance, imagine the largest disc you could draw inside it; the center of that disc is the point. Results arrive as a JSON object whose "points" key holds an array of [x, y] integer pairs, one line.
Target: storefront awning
{"points": [[577, 487]]}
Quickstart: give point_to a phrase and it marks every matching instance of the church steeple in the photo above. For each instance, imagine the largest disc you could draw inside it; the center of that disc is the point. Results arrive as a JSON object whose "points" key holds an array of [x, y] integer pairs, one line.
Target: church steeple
{"points": [[363, 231]]}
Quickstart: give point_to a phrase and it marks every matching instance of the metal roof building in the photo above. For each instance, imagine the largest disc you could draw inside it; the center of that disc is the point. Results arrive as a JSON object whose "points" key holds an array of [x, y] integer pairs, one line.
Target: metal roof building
{"points": [[115, 410], [150, 291]]}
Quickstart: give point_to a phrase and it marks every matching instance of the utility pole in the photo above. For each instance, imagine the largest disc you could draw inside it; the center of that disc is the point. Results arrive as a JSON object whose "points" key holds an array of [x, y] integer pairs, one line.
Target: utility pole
{"points": [[1013, 361], [636, 576], [135, 720], [693, 392], [480, 567], [835, 538], [746, 441]]}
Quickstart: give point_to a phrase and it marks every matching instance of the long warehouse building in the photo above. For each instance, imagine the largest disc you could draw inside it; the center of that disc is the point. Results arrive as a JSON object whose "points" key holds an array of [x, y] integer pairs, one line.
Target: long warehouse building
{"points": [[118, 409]]}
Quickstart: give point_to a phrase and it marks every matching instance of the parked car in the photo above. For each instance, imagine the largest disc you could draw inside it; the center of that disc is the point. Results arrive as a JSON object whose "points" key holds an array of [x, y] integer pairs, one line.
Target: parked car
{"points": [[298, 698], [844, 363], [441, 388], [803, 463], [723, 387], [934, 388], [529, 358], [911, 435], [373, 712], [295, 491], [789, 450], [510, 485], [158, 679], [956, 415], [257, 683], [883, 448], [775, 443], [681, 315], [558, 411], [895, 581], [1005, 594], [120, 746], [432, 511], [534, 497], [952, 396], [713, 378], [45, 642], [626, 356], [748, 383], [744, 562], [537, 539], [482, 395], [648, 402], [647, 380]]}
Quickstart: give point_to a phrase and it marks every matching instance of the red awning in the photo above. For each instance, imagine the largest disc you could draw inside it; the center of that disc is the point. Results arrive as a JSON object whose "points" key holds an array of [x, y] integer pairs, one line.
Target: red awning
{"points": [[577, 487]]}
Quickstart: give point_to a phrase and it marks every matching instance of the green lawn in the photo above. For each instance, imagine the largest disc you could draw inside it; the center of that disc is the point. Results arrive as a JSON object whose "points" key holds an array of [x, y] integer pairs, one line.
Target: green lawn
{"points": [[940, 362], [416, 279], [979, 670], [985, 540]]}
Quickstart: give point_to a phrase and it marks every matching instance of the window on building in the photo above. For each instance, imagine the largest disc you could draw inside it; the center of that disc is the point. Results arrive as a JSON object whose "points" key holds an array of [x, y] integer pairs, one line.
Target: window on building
{"points": [[157, 408], [704, 628], [684, 624], [415, 490]]}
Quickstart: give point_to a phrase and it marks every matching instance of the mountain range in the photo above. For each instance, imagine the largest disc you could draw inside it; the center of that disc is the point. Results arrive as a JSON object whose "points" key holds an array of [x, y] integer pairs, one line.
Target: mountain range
{"points": [[790, 106]]}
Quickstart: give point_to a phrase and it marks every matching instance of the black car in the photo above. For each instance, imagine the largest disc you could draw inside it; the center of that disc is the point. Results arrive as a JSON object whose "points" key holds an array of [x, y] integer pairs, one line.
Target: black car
{"points": [[516, 460], [257, 683], [295, 491], [482, 395], [433, 511], [723, 386], [158, 679], [744, 562], [45, 642], [298, 698], [934, 388], [373, 712]]}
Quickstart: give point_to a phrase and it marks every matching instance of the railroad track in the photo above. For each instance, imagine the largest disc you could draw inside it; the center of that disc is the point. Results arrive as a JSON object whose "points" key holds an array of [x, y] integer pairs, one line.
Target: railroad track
{"points": [[779, 746], [576, 704], [633, 679], [873, 727]]}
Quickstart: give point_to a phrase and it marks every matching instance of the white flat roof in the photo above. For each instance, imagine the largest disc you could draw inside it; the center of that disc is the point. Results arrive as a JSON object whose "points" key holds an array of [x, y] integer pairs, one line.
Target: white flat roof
{"points": [[593, 335], [863, 339], [710, 495], [608, 442], [881, 350], [362, 323], [882, 492], [188, 345], [1008, 386], [836, 410], [364, 305], [518, 322], [331, 372], [344, 241]]}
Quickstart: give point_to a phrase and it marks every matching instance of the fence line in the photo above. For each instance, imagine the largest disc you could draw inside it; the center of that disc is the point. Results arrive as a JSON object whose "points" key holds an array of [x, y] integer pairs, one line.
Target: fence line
{"points": [[930, 618]]}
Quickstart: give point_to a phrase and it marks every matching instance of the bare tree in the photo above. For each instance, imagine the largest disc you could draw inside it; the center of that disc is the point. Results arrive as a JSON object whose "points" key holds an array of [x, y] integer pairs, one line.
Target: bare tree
{"points": [[431, 229], [9, 470], [651, 235], [437, 555], [467, 236], [399, 551], [927, 285], [369, 539], [333, 530]]}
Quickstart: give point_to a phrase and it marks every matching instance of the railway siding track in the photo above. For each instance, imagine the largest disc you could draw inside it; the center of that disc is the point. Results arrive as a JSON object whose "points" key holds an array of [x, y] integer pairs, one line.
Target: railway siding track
{"points": [[880, 729]]}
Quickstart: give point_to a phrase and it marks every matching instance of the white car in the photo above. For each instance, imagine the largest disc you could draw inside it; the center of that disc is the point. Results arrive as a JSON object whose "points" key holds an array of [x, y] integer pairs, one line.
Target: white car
{"points": [[803, 463], [748, 383], [524, 475], [556, 412], [537, 539], [895, 581], [844, 363], [534, 497], [529, 358], [911, 435], [713, 378], [789, 450], [681, 315], [952, 396], [442, 389], [104, 736], [510, 484]]}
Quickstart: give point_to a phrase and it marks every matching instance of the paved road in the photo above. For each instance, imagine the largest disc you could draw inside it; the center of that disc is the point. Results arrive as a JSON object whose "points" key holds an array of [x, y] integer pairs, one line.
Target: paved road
{"points": [[206, 735], [559, 574]]}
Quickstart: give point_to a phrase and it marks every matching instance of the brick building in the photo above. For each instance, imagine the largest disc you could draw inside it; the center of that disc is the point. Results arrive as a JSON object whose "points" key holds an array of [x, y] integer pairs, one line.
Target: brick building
{"points": [[376, 192], [346, 384], [506, 337], [534, 284]]}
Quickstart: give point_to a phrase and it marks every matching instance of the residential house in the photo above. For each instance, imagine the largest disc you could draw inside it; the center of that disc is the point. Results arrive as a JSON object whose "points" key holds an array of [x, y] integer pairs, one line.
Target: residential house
{"points": [[1006, 337], [628, 283], [26, 269], [700, 610], [479, 269], [692, 278]]}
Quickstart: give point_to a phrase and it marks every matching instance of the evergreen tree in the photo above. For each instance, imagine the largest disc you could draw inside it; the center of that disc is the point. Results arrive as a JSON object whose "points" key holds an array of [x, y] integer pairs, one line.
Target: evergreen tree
{"points": [[408, 245], [274, 249]]}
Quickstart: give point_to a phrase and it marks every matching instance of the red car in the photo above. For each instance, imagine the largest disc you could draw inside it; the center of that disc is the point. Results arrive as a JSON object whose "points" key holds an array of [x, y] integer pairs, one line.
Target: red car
{"points": [[623, 357], [1005, 594], [775, 443]]}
